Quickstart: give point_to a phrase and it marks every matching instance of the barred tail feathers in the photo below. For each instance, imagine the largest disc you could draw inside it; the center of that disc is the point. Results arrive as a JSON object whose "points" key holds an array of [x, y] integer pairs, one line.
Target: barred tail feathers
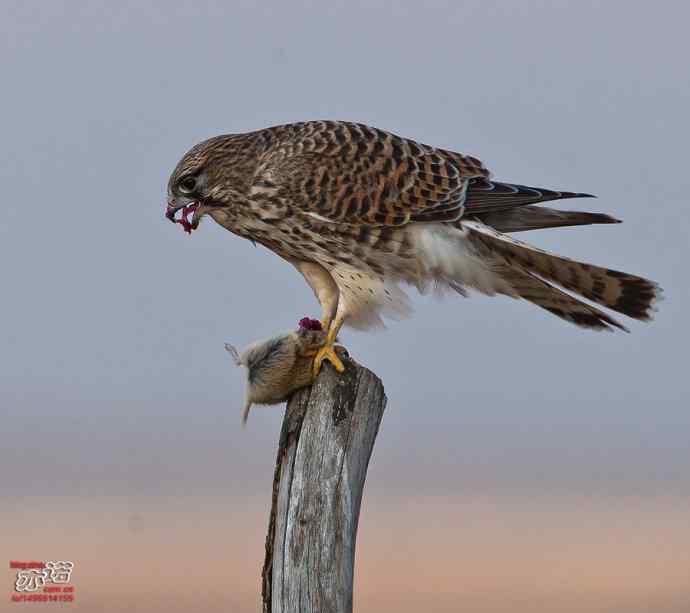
{"points": [[537, 291], [628, 294]]}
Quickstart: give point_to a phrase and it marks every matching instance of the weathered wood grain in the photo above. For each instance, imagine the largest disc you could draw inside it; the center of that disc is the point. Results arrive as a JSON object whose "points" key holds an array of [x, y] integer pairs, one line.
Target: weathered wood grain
{"points": [[326, 441]]}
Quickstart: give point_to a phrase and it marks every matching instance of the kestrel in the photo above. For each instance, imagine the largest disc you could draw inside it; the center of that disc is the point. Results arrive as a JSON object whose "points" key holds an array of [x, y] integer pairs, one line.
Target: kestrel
{"points": [[360, 211]]}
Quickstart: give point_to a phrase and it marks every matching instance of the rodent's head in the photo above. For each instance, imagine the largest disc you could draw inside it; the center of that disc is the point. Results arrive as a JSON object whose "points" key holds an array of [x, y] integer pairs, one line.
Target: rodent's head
{"points": [[310, 324]]}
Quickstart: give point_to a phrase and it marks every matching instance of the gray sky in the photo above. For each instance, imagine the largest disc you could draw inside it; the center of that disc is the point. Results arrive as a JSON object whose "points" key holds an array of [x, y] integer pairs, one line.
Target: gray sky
{"points": [[113, 376]]}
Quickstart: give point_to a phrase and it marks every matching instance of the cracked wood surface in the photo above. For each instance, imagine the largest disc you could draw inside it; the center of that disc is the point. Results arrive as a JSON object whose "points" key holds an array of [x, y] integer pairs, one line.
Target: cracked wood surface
{"points": [[325, 444]]}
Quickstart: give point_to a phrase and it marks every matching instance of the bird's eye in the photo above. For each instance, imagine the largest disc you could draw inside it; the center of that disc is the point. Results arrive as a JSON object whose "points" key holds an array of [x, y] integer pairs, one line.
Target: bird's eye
{"points": [[187, 184]]}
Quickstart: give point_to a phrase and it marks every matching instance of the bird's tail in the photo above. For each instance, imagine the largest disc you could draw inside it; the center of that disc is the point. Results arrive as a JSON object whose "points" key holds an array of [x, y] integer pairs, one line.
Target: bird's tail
{"points": [[532, 217], [529, 270]]}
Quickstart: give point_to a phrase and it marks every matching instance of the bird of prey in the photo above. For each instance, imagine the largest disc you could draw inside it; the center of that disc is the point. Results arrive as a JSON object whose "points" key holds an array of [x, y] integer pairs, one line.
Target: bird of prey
{"points": [[360, 211]]}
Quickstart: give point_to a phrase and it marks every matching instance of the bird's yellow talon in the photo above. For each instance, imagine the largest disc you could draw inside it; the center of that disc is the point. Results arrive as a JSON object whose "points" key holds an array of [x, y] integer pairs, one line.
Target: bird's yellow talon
{"points": [[328, 352]]}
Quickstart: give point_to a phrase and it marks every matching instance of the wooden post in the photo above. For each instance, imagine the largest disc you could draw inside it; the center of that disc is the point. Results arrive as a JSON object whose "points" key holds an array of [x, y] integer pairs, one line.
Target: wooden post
{"points": [[326, 441]]}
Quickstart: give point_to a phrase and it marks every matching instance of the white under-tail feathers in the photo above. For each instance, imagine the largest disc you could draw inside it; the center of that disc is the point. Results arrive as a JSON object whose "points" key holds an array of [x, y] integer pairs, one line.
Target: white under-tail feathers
{"points": [[475, 256], [447, 257]]}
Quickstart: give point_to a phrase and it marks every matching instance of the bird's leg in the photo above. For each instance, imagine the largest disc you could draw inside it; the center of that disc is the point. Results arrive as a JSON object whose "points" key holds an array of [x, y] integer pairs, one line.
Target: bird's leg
{"points": [[328, 294], [329, 348]]}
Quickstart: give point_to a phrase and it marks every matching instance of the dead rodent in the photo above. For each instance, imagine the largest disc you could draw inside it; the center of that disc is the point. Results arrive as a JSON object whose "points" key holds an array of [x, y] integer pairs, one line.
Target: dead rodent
{"points": [[278, 366]]}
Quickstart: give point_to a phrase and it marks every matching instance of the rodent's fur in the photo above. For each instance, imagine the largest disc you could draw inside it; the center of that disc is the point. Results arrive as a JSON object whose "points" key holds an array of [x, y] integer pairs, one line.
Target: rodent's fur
{"points": [[277, 366]]}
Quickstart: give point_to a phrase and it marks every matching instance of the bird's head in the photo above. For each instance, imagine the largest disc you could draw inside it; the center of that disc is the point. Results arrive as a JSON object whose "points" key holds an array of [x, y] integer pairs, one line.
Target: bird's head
{"points": [[212, 175]]}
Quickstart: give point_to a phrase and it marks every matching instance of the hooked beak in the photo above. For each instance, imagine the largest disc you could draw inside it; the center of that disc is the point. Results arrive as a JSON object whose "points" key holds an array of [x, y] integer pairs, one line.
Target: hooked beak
{"points": [[188, 207]]}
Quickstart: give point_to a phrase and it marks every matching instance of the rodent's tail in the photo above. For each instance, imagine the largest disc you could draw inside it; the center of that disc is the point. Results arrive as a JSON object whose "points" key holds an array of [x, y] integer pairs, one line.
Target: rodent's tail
{"points": [[232, 350]]}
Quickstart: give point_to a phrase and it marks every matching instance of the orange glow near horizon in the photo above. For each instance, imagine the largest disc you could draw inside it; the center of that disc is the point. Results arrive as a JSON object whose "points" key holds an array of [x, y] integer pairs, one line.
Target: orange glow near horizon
{"points": [[455, 553]]}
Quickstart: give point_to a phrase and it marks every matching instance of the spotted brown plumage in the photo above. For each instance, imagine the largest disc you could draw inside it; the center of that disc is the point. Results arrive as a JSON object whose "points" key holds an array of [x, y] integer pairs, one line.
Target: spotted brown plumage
{"points": [[358, 211]]}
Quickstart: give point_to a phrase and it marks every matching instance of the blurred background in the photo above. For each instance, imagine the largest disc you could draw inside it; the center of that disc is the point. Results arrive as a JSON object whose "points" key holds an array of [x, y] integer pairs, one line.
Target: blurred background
{"points": [[523, 464]]}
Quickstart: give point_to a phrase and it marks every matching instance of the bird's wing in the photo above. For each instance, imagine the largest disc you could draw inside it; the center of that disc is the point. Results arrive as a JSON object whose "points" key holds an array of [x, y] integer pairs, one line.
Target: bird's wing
{"points": [[351, 173], [485, 196]]}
